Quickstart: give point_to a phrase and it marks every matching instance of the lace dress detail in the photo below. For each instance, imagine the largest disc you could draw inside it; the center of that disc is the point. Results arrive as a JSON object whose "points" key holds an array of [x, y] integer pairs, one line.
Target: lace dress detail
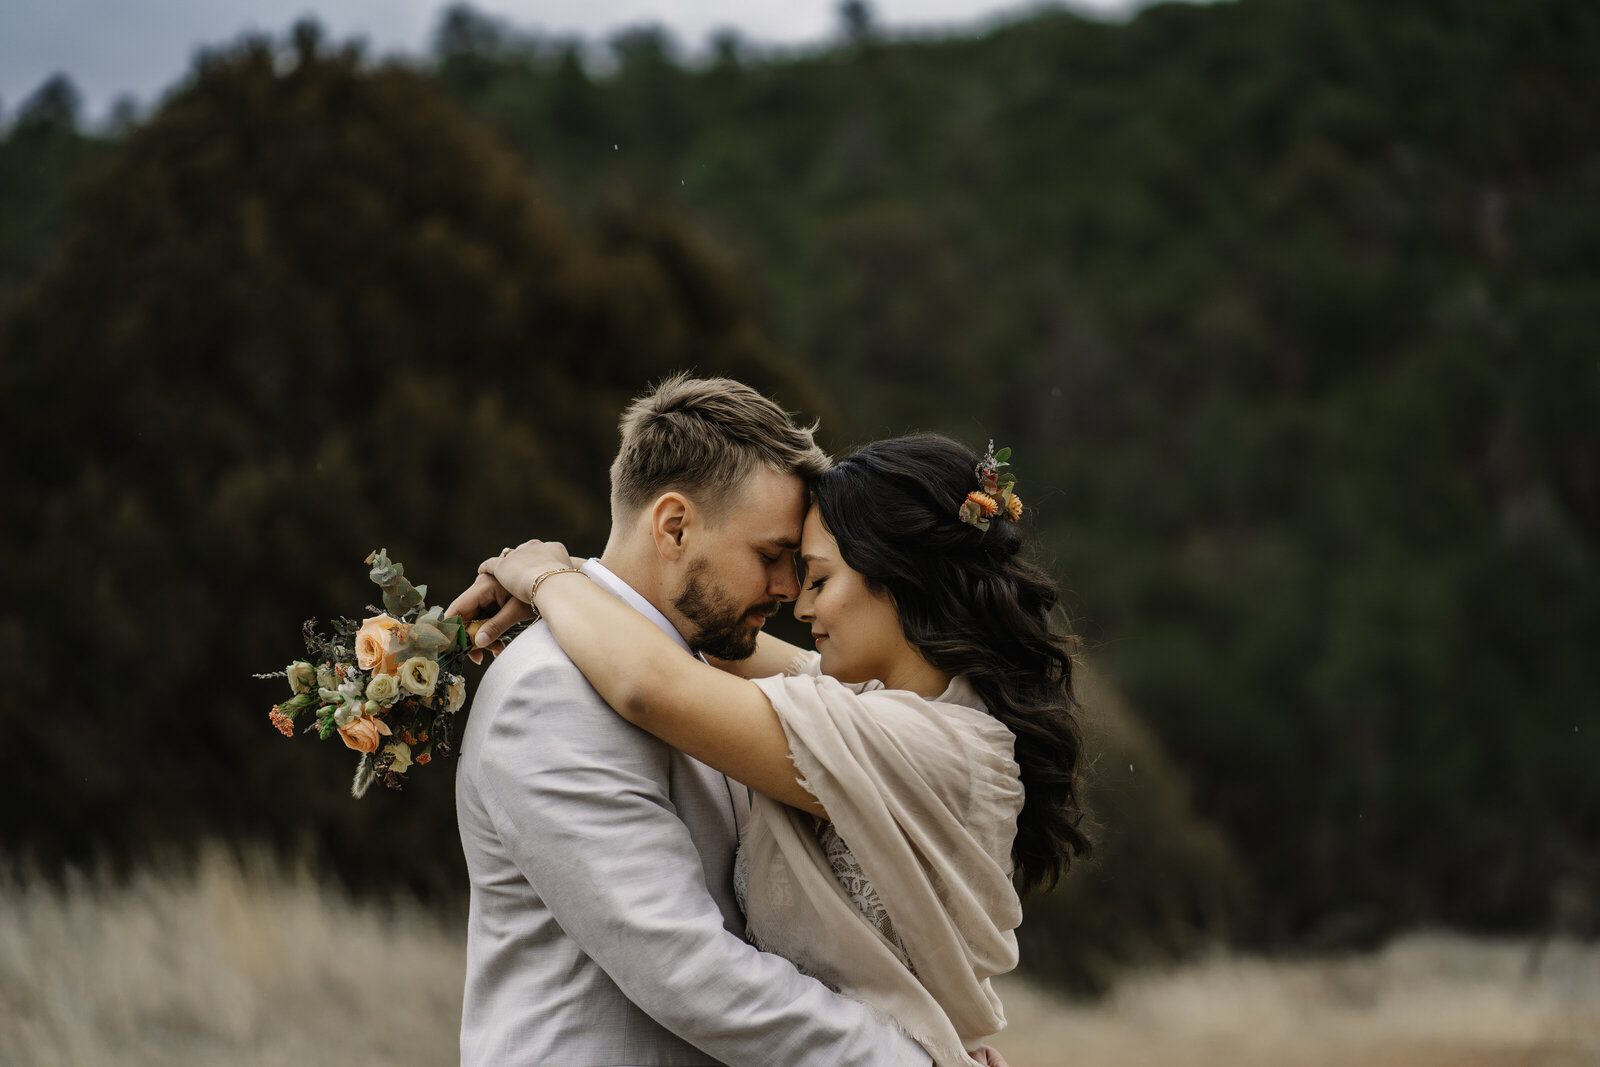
{"points": [[860, 891], [851, 878]]}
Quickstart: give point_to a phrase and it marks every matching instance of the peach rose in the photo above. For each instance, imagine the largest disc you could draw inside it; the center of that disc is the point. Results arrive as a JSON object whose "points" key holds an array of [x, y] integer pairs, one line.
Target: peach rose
{"points": [[363, 732], [375, 644]]}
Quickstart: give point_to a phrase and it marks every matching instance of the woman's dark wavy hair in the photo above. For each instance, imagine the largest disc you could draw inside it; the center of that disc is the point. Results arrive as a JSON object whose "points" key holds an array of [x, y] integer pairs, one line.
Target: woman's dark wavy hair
{"points": [[974, 608]]}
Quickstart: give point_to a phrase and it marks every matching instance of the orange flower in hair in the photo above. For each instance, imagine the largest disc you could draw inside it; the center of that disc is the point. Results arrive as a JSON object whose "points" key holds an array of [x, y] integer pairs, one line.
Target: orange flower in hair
{"points": [[995, 497]]}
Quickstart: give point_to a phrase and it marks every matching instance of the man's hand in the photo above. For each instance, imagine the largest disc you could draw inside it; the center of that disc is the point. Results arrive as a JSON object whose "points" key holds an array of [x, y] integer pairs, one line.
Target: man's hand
{"points": [[488, 600]]}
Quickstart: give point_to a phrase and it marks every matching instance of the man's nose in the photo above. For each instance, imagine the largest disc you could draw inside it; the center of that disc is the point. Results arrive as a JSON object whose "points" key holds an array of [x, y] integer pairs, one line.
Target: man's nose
{"points": [[784, 584]]}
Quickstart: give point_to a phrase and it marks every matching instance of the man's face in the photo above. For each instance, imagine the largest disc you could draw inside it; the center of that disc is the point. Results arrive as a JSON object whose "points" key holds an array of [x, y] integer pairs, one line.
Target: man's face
{"points": [[741, 566]]}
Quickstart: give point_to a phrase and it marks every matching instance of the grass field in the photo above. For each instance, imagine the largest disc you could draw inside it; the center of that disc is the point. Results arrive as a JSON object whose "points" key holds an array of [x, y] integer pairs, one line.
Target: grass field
{"points": [[249, 963]]}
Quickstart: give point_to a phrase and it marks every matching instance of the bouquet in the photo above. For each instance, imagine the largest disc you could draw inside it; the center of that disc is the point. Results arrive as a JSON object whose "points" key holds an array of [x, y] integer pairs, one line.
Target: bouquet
{"points": [[389, 685]]}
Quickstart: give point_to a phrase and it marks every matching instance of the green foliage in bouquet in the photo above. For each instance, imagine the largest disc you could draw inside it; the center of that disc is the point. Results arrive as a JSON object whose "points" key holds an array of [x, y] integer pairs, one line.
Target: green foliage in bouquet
{"points": [[389, 685]]}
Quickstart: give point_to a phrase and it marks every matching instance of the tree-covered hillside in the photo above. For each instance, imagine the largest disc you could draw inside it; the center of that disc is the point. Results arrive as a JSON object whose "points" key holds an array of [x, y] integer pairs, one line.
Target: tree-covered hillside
{"points": [[1288, 310]]}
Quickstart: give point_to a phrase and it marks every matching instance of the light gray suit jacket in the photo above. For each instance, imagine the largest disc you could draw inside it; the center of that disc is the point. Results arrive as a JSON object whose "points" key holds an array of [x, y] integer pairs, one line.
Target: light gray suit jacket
{"points": [[603, 928]]}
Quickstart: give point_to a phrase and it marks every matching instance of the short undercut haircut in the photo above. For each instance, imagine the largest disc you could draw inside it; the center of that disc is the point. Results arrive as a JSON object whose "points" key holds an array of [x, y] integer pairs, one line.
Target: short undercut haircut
{"points": [[703, 437]]}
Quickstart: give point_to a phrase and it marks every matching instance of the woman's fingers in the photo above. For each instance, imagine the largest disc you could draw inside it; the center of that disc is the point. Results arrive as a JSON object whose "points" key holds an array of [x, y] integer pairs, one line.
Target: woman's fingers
{"points": [[502, 583], [517, 570], [477, 598], [511, 612]]}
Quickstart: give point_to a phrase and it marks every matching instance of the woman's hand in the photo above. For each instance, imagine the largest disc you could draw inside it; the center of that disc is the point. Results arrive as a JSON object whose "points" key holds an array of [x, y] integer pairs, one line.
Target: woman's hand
{"points": [[515, 570], [500, 605]]}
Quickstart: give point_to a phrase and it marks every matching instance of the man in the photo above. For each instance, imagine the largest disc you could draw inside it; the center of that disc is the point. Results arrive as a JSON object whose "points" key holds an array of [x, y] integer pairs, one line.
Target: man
{"points": [[603, 926]]}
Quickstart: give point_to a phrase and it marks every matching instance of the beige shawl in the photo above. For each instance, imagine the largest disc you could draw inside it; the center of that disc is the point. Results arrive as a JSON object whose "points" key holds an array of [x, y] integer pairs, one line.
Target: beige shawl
{"points": [[925, 794]]}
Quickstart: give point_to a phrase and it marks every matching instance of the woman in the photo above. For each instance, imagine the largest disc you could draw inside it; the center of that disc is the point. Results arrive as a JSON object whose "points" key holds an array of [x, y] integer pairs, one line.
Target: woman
{"points": [[908, 773]]}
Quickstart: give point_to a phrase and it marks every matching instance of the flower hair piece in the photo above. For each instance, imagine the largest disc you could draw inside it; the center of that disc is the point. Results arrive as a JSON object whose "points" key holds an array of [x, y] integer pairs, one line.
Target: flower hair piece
{"points": [[995, 497]]}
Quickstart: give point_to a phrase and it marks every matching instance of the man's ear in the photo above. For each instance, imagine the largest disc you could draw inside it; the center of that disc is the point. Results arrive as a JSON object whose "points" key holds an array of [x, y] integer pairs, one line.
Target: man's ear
{"points": [[672, 516]]}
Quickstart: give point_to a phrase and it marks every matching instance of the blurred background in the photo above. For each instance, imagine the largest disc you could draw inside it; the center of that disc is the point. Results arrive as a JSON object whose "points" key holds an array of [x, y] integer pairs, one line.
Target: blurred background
{"points": [[1288, 310]]}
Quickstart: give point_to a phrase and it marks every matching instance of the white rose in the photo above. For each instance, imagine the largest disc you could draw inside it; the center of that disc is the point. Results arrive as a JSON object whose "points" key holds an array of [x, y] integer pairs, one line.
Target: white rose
{"points": [[302, 676], [419, 675], [383, 688], [326, 678], [402, 756]]}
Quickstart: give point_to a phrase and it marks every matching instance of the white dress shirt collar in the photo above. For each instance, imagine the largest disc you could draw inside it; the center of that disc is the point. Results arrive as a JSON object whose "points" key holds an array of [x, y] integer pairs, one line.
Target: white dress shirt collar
{"points": [[601, 574]]}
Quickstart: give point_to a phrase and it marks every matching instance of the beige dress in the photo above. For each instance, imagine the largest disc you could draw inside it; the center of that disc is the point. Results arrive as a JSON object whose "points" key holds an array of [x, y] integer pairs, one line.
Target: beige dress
{"points": [[904, 900]]}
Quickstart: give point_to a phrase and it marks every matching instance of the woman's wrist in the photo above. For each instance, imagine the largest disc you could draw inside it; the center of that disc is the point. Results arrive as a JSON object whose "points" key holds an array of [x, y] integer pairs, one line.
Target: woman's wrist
{"points": [[540, 578]]}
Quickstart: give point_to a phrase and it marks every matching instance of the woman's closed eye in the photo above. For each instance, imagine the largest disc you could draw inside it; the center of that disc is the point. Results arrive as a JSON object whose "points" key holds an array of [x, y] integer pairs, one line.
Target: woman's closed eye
{"points": [[815, 585]]}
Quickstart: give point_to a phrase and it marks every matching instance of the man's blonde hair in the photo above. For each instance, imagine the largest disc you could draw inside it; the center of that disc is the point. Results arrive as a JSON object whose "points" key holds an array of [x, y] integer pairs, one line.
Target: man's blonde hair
{"points": [[703, 437]]}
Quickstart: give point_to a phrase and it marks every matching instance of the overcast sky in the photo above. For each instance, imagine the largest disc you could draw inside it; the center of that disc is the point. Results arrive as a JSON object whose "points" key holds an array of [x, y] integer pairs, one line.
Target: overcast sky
{"points": [[141, 47]]}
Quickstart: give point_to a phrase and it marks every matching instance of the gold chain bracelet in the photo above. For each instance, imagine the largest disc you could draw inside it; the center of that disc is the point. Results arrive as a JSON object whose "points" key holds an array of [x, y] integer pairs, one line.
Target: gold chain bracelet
{"points": [[538, 580]]}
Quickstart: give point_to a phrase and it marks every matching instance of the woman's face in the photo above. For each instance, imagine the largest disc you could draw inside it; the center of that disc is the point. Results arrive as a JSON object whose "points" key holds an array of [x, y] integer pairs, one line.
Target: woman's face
{"points": [[857, 630]]}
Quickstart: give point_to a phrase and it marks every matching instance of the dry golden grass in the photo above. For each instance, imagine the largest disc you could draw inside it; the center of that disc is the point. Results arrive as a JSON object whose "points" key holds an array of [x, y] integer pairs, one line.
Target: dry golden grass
{"points": [[244, 962], [233, 963], [1424, 1001]]}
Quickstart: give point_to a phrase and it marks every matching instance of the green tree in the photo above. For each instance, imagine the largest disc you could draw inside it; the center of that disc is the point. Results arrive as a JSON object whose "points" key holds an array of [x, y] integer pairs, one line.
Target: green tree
{"points": [[309, 309]]}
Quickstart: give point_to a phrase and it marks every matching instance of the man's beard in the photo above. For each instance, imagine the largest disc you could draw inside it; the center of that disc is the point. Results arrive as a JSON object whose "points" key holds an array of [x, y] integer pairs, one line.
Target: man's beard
{"points": [[721, 628]]}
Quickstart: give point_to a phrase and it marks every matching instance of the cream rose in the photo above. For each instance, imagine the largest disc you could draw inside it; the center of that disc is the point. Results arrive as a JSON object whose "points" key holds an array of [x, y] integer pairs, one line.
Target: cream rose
{"points": [[455, 694], [302, 676], [383, 688], [363, 732], [402, 756], [419, 675], [375, 644], [326, 678]]}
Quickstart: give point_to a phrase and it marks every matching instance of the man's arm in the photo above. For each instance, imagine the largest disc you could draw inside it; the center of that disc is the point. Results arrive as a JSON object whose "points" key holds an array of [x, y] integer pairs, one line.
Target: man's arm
{"points": [[773, 655], [579, 797]]}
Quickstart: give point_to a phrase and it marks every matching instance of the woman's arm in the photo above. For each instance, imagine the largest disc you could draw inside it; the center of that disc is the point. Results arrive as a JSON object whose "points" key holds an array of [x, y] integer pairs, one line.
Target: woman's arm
{"points": [[723, 721]]}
